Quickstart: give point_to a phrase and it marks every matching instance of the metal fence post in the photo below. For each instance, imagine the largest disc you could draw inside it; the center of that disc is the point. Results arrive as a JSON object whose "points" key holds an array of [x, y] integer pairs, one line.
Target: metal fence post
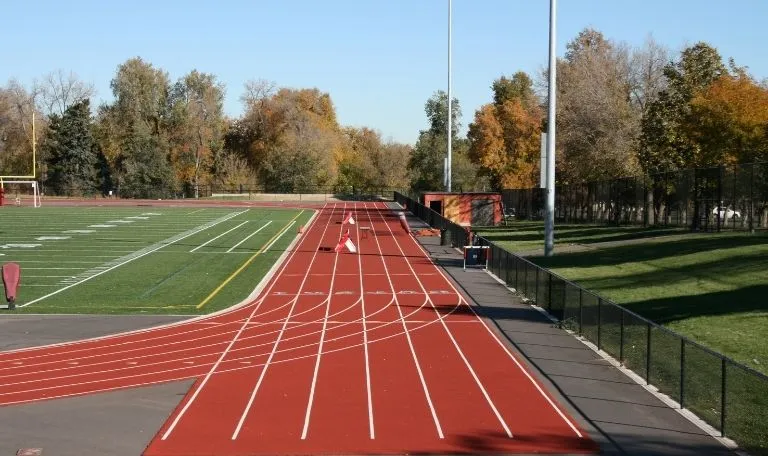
{"points": [[621, 339], [719, 197], [723, 397], [581, 312], [599, 320], [648, 357], [549, 293], [682, 373], [751, 205]]}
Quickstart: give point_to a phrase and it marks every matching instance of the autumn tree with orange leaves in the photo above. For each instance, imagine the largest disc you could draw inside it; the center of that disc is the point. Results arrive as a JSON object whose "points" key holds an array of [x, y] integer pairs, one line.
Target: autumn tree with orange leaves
{"points": [[505, 135], [730, 120]]}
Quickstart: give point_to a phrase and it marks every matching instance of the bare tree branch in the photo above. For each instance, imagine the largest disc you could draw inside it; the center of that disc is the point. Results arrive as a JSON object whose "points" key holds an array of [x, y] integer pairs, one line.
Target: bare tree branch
{"points": [[59, 91]]}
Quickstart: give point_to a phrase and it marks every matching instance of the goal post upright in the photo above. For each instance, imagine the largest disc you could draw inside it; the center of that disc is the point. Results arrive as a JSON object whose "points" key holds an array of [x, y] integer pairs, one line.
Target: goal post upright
{"points": [[36, 202]]}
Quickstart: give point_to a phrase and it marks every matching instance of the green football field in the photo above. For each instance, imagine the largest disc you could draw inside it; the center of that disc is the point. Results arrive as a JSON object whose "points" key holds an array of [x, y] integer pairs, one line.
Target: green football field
{"points": [[137, 260]]}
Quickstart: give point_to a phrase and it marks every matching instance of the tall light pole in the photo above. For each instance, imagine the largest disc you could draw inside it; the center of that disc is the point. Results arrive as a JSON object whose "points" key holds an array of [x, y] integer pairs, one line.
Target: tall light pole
{"points": [[450, 113], [549, 221]]}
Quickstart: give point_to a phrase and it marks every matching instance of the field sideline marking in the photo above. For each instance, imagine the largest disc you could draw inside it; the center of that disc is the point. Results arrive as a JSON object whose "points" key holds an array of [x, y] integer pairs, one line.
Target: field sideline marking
{"points": [[131, 258], [249, 236], [263, 249], [222, 234]]}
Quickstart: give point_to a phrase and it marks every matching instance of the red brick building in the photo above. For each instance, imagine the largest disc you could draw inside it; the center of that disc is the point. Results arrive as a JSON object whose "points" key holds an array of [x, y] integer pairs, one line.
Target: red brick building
{"points": [[466, 209]]}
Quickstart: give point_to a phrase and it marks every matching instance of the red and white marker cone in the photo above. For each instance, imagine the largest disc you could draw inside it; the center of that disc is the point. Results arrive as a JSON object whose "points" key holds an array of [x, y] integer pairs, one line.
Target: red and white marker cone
{"points": [[348, 219], [345, 243]]}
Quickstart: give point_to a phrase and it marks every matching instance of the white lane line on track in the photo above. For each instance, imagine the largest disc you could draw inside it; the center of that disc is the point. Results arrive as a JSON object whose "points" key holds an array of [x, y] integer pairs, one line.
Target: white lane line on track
{"points": [[371, 428], [205, 322], [450, 335], [222, 234], [74, 364], [408, 338], [263, 373], [135, 256], [248, 237], [251, 300], [176, 361], [207, 377], [506, 349], [322, 341]]}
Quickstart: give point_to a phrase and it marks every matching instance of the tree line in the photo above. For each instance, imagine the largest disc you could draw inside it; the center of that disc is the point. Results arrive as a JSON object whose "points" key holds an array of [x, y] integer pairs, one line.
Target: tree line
{"points": [[621, 111], [164, 139]]}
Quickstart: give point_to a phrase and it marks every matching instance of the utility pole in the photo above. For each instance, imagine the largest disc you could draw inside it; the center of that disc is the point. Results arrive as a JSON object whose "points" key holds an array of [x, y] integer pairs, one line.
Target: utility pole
{"points": [[450, 113], [549, 221]]}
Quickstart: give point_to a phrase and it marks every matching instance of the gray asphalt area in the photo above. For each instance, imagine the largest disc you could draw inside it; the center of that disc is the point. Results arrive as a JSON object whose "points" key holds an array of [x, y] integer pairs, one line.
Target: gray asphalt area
{"points": [[119, 423]]}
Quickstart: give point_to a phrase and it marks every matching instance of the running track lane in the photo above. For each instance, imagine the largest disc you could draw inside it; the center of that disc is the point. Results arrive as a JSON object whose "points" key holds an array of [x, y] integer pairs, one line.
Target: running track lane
{"points": [[379, 353], [321, 362]]}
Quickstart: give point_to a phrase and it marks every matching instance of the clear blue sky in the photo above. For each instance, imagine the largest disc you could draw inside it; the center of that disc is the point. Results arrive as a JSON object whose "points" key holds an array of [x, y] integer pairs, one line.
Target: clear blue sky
{"points": [[379, 60]]}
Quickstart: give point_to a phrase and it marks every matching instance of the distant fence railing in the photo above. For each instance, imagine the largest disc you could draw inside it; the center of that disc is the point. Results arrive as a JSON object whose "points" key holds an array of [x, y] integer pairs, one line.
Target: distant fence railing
{"points": [[708, 199], [451, 233], [237, 191], [730, 396]]}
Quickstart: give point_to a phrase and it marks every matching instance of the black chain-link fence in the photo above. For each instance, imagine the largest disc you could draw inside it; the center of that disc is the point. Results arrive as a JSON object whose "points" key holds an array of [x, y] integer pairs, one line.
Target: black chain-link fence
{"points": [[707, 199], [731, 397]]}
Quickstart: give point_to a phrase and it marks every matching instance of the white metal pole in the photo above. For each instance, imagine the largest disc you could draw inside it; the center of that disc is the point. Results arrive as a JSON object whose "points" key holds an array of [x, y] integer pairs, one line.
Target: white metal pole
{"points": [[450, 113], [549, 222]]}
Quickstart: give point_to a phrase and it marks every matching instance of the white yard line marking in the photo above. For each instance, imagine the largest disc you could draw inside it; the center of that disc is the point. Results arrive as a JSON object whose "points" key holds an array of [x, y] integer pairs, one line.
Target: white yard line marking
{"points": [[222, 234], [408, 338], [129, 258], [450, 334], [208, 375], [274, 241], [248, 237], [311, 399]]}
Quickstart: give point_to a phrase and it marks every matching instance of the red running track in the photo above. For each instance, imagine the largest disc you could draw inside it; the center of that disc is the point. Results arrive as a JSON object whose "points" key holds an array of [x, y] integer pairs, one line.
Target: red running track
{"points": [[374, 352]]}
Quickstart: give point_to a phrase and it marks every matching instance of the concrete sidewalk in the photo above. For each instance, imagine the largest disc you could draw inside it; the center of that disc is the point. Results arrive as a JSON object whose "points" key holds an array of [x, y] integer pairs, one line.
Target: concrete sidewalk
{"points": [[620, 414]]}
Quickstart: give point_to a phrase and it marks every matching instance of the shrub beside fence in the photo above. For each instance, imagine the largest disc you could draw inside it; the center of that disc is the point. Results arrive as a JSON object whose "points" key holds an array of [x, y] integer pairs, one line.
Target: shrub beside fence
{"points": [[730, 396]]}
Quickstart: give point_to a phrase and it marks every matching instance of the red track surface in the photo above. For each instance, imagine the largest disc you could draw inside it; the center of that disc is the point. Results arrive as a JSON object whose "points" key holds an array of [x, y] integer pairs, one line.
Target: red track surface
{"points": [[340, 354]]}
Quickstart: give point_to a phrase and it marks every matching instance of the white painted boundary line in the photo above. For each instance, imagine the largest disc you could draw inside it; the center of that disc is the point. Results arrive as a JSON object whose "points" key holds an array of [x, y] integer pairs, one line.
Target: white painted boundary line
{"points": [[218, 361], [222, 234], [311, 399], [248, 237], [408, 338], [127, 259], [690, 416]]}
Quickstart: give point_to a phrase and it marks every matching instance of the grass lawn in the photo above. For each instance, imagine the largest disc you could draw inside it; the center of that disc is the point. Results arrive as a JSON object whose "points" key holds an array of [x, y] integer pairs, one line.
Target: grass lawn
{"points": [[137, 260], [710, 287]]}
